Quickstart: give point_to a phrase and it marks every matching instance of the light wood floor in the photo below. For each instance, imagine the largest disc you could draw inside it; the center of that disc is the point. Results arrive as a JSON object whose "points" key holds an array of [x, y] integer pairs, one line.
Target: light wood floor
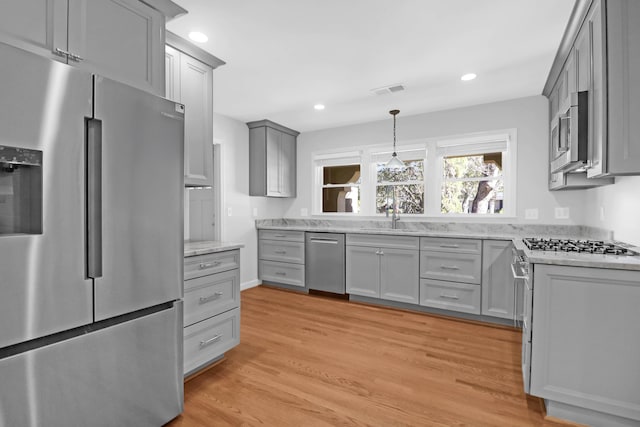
{"points": [[313, 361]]}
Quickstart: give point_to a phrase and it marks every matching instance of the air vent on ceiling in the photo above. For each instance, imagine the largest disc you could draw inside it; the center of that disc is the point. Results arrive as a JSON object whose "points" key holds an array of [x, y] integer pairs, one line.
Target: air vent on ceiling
{"points": [[388, 89]]}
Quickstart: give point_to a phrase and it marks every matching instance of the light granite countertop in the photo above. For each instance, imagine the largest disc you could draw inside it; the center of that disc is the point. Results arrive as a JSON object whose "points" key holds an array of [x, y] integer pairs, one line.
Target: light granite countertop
{"points": [[485, 231], [193, 248]]}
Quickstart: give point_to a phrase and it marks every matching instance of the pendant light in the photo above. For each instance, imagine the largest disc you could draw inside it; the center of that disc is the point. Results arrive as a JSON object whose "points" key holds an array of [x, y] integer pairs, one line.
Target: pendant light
{"points": [[394, 162]]}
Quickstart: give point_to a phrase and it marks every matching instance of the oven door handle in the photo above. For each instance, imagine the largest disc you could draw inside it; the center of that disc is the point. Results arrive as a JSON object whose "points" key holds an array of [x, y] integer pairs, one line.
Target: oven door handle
{"points": [[515, 275]]}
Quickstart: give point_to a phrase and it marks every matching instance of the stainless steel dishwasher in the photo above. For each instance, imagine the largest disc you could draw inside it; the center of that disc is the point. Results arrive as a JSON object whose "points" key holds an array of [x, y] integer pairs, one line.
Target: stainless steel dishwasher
{"points": [[325, 262]]}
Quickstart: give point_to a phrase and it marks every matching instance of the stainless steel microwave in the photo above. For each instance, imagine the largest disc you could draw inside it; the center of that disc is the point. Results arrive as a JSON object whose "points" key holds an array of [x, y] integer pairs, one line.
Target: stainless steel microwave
{"points": [[569, 134]]}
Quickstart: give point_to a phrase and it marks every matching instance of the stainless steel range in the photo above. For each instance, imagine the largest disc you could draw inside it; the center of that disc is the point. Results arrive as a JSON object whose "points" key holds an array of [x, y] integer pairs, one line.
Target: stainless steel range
{"points": [[579, 246]]}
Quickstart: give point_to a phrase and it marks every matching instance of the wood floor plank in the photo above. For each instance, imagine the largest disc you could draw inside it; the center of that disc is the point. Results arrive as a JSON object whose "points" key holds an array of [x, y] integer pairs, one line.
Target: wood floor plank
{"points": [[314, 361]]}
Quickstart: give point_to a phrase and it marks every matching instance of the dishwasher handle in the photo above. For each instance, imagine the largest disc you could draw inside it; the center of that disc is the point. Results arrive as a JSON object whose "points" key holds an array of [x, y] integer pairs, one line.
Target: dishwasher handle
{"points": [[328, 241]]}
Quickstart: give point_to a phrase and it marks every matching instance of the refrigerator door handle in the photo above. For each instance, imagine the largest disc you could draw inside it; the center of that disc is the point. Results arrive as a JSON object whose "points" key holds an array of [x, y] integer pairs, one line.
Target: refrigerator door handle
{"points": [[94, 198]]}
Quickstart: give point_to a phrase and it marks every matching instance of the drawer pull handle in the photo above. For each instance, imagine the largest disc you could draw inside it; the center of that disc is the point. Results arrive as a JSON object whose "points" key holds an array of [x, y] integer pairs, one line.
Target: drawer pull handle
{"points": [[213, 297], [280, 235], [210, 341], [281, 273], [450, 267], [449, 246], [204, 265], [379, 253], [281, 252], [449, 296]]}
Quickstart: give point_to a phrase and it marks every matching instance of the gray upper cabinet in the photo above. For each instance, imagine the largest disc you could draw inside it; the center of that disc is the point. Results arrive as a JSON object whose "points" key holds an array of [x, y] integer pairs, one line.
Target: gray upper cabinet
{"points": [[498, 290], [272, 159], [189, 80], [615, 32], [119, 39], [600, 54]]}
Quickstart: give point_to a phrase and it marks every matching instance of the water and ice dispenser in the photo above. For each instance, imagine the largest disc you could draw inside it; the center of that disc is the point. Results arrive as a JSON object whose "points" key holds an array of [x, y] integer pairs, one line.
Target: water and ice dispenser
{"points": [[20, 191]]}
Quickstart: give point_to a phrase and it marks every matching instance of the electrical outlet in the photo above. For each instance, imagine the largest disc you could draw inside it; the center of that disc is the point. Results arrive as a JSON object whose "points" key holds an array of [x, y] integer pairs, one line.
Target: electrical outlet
{"points": [[562, 213], [531, 213], [254, 212], [304, 212], [229, 211], [601, 213]]}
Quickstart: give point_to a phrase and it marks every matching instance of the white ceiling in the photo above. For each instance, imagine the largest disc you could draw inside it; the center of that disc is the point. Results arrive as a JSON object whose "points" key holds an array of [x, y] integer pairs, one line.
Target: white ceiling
{"points": [[284, 56]]}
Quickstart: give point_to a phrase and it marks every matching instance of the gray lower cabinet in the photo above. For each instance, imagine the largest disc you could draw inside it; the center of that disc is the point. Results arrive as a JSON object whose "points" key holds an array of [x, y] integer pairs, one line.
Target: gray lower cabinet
{"points": [[584, 345], [211, 307], [382, 267], [450, 273], [498, 288], [281, 258]]}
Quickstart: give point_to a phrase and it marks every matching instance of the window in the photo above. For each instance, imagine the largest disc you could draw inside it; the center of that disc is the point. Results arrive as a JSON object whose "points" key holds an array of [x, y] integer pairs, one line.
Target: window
{"points": [[472, 184], [466, 175], [404, 187], [340, 178], [474, 174]]}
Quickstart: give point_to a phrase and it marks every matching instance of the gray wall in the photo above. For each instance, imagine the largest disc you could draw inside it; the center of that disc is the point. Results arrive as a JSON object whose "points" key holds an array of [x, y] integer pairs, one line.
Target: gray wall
{"points": [[528, 115], [233, 136], [620, 203]]}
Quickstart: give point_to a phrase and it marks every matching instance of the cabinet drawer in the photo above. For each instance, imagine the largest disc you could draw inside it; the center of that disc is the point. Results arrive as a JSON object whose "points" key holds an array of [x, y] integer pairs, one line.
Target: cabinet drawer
{"points": [[202, 265], [292, 236], [281, 272], [446, 244], [450, 266], [206, 340], [450, 296], [208, 296], [385, 241], [278, 250]]}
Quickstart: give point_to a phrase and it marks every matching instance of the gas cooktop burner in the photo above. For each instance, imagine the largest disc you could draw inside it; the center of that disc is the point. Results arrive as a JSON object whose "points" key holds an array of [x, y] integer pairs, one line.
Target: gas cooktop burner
{"points": [[579, 246]]}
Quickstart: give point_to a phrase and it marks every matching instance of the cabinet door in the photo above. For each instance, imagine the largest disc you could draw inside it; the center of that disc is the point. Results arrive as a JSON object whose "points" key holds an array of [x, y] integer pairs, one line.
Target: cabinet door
{"points": [[39, 26], [582, 54], [498, 292], [274, 159], [585, 346], [119, 39], [623, 101], [399, 275], [196, 80], [597, 94], [172, 73], [363, 271], [287, 165]]}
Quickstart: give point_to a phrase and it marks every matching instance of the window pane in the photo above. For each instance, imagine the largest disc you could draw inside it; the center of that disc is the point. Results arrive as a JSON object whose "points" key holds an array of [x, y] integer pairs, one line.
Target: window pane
{"points": [[341, 175], [409, 198], [341, 199], [477, 166], [473, 197], [414, 171]]}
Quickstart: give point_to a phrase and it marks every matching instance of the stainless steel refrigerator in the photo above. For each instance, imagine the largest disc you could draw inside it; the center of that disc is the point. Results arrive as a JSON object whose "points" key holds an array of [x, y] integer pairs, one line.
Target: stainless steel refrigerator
{"points": [[91, 249]]}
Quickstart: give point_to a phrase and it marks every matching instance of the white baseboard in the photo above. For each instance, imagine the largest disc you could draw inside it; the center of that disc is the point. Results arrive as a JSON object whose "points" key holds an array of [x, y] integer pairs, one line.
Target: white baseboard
{"points": [[250, 284]]}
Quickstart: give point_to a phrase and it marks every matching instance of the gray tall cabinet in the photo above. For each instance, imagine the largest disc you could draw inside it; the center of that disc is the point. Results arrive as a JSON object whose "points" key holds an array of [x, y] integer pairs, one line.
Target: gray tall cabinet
{"points": [[272, 159]]}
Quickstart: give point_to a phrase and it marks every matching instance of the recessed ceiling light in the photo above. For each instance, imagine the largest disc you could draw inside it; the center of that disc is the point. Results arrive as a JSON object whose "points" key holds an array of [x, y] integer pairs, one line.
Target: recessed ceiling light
{"points": [[319, 107], [197, 36], [468, 77]]}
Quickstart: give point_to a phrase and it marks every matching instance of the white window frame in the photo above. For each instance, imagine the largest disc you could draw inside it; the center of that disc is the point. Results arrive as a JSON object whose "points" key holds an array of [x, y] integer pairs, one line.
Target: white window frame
{"points": [[320, 160], [503, 141], [405, 153]]}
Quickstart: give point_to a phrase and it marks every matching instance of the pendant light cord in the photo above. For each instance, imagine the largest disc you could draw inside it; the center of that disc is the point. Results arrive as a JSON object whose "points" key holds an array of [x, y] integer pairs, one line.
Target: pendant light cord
{"points": [[394, 113]]}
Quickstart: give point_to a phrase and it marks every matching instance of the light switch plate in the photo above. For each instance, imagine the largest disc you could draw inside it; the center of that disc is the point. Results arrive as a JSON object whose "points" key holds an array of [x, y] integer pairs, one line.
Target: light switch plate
{"points": [[601, 213], [229, 211], [562, 213], [254, 212], [531, 213], [304, 212]]}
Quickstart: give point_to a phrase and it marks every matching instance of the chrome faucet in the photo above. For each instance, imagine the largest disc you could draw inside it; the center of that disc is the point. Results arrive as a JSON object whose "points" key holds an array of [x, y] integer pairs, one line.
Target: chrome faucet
{"points": [[395, 212]]}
